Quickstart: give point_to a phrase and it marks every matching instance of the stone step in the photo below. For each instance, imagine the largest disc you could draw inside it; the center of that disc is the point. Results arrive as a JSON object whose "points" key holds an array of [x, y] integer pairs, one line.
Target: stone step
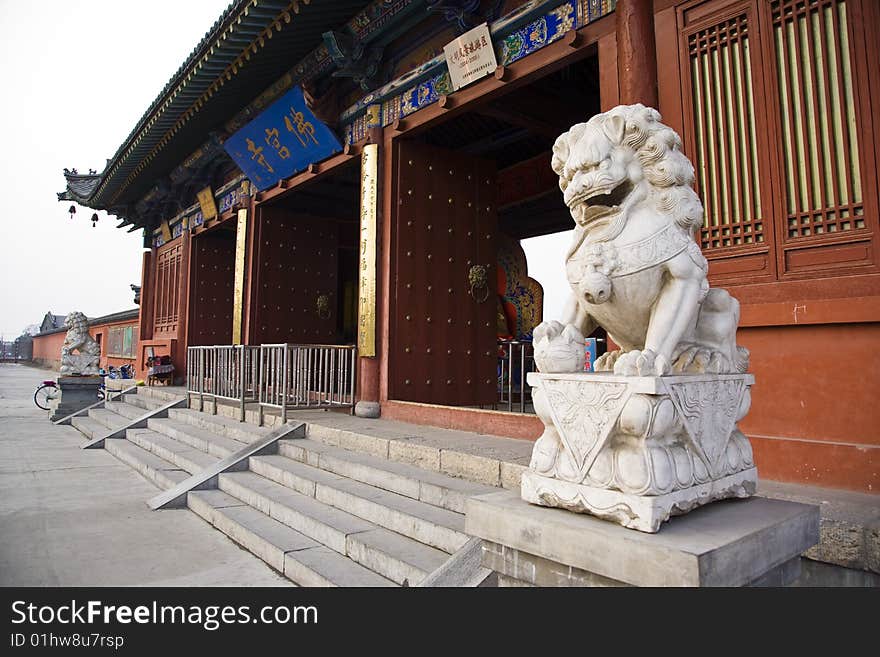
{"points": [[397, 557], [160, 472], [391, 555], [89, 427], [318, 521], [301, 559], [144, 402], [125, 409], [219, 424], [180, 454], [407, 480], [210, 443], [161, 394], [108, 418], [434, 526]]}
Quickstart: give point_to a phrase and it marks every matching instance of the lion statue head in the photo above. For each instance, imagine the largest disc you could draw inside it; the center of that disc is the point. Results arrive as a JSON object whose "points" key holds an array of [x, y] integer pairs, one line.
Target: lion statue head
{"points": [[76, 323], [619, 159]]}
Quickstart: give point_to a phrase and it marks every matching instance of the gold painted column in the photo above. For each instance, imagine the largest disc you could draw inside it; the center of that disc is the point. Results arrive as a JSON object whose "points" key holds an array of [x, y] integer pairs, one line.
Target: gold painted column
{"points": [[238, 289], [368, 370]]}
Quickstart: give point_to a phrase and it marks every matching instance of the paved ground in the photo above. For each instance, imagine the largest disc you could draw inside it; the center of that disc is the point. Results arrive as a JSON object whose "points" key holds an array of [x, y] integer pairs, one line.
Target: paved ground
{"points": [[72, 517], [77, 517]]}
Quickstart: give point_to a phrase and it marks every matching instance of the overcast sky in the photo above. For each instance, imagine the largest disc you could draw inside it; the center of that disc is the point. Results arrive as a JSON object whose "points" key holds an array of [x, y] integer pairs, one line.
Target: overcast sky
{"points": [[76, 77]]}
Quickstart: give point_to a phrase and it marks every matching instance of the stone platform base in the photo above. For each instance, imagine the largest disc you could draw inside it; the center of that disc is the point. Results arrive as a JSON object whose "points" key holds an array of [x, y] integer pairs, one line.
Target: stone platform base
{"points": [[77, 392], [643, 512], [517, 569], [755, 541]]}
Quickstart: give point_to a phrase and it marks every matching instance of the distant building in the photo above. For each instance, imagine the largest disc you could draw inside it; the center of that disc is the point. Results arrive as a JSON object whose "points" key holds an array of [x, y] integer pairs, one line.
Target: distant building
{"points": [[24, 347], [116, 333], [51, 322]]}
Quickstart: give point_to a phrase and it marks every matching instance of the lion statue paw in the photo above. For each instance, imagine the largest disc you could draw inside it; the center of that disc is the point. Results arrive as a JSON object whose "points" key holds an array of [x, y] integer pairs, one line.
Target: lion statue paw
{"points": [[641, 362], [696, 359], [605, 362]]}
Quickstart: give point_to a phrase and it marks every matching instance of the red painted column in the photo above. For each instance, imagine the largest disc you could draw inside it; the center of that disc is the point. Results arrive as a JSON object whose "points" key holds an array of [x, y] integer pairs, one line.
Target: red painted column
{"points": [[369, 368], [636, 52], [183, 306], [145, 317]]}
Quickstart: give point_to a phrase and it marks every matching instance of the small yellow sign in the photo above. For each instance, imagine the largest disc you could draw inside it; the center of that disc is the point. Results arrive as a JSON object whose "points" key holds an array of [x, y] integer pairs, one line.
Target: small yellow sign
{"points": [[206, 202], [367, 252]]}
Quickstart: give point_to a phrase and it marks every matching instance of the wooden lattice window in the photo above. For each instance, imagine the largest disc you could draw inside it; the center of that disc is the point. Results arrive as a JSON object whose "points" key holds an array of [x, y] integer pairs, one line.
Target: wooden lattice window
{"points": [[778, 125], [724, 131], [168, 271], [817, 118]]}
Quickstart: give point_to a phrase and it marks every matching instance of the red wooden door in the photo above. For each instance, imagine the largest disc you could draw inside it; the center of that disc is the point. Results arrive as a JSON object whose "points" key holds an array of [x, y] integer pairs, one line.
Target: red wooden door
{"points": [[297, 265], [443, 342], [212, 281]]}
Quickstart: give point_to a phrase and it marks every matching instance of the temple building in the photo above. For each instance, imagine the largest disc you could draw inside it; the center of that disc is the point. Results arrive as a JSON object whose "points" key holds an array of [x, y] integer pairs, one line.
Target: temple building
{"points": [[358, 178]]}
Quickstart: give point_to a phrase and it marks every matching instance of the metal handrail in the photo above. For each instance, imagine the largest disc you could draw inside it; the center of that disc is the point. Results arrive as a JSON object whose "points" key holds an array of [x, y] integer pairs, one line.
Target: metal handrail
{"points": [[283, 376], [515, 360]]}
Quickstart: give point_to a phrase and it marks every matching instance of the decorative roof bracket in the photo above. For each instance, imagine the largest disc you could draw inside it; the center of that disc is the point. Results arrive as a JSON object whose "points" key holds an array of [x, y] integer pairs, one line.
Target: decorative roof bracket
{"points": [[465, 14], [353, 59]]}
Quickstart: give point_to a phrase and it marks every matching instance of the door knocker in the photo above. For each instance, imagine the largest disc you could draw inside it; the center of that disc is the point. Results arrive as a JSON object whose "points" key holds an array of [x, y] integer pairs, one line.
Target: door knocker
{"points": [[478, 279], [323, 306]]}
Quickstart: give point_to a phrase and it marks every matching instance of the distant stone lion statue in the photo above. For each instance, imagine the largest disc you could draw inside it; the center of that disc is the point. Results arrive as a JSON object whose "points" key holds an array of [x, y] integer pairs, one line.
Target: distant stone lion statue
{"points": [[78, 339], [634, 266]]}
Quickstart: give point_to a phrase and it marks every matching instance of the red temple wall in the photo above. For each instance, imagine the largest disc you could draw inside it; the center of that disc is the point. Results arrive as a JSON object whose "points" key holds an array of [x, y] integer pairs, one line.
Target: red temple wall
{"points": [[47, 348]]}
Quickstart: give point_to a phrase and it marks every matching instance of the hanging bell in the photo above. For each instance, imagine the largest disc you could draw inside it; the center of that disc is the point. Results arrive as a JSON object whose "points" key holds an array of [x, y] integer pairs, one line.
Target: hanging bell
{"points": [[72, 211], [94, 219]]}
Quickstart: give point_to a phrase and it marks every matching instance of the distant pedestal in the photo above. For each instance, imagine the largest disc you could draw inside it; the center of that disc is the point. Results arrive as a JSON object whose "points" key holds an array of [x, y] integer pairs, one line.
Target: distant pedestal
{"points": [[77, 392], [750, 542]]}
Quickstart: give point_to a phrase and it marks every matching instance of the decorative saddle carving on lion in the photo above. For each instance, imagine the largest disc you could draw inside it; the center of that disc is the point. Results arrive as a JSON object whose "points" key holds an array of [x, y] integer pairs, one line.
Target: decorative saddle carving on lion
{"points": [[78, 339], [633, 266]]}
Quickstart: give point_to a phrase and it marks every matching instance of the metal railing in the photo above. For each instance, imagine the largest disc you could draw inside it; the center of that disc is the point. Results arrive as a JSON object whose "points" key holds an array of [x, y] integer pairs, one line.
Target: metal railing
{"points": [[306, 376], [283, 376], [222, 372], [515, 360]]}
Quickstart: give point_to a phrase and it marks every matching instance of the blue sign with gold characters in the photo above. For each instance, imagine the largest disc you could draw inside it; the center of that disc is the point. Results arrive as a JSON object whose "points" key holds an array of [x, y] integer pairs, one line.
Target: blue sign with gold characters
{"points": [[284, 139]]}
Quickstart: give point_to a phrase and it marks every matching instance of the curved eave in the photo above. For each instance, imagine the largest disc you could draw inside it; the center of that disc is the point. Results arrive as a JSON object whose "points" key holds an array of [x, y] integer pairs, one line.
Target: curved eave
{"points": [[251, 37], [80, 188]]}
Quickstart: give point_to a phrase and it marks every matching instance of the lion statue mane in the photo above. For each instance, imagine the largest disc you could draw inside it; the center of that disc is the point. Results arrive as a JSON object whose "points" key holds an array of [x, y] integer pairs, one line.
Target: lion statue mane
{"points": [[633, 265], [78, 339]]}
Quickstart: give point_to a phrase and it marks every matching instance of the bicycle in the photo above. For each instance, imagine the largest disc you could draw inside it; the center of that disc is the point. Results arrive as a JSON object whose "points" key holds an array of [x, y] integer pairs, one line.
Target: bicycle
{"points": [[45, 393]]}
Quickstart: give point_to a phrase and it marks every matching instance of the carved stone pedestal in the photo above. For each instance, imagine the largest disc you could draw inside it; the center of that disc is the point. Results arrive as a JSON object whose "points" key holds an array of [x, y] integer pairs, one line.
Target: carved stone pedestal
{"points": [[77, 392], [636, 450]]}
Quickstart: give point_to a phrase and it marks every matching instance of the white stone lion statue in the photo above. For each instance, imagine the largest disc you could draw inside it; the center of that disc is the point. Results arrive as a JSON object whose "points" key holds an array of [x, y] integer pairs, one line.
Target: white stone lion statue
{"points": [[85, 362], [634, 266]]}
